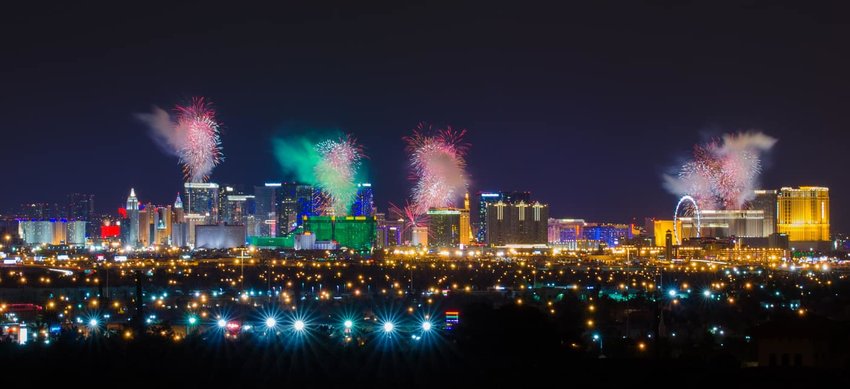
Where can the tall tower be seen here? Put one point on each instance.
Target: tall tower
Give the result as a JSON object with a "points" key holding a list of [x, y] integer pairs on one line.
{"points": [[178, 209], [484, 200], [364, 203], [133, 215], [465, 228]]}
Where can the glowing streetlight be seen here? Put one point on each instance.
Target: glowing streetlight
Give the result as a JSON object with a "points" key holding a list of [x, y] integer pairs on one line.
{"points": [[389, 327], [222, 323], [271, 322], [348, 324], [426, 326], [299, 325]]}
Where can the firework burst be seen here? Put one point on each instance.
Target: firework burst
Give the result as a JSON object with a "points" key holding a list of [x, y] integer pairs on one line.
{"points": [[336, 171], [438, 167], [723, 174], [193, 137], [409, 215], [201, 149]]}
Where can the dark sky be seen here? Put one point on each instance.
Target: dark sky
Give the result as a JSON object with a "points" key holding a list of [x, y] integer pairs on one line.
{"points": [[585, 104]]}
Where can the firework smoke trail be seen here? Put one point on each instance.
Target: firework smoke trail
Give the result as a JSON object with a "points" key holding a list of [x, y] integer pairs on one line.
{"points": [[438, 165], [193, 137], [722, 174], [336, 171]]}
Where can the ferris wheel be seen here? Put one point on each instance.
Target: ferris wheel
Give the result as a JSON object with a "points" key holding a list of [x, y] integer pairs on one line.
{"points": [[686, 207]]}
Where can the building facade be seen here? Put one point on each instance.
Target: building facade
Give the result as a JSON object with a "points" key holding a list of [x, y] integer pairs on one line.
{"points": [[364, 202], [52, 232], [202, 201], [517, 223], [803, 214], [766, 200], [444, 227]]}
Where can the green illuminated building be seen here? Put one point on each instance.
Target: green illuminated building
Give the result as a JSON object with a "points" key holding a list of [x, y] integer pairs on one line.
{"points": [[353, 232]]}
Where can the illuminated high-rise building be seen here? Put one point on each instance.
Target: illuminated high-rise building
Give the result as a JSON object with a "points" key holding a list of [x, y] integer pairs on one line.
{"points": [[178, 210], [766, 201], [449, 227], [162, 225], [803, 214], [202, 201], [53, 231], [286, 204], [488, 198], [146, 212], [485, 199], [266, 209], [306, 198], [465, 227], [517, 223], [132, 226], [239, 209], [444, 227], [364, 203]]}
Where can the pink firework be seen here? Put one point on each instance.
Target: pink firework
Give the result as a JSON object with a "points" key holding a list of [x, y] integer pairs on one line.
{"points": [[723, 174], [409, 215], [199, 148], [438, 166]]}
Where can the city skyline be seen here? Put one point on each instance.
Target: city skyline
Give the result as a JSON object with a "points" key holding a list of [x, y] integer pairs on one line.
{"points": [[425, 194], [569, 103]]}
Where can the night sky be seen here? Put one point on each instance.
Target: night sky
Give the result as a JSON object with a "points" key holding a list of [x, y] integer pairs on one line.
{"points": [[585, 105]]}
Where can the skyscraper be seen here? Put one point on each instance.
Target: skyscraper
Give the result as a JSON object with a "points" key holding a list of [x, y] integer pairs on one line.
{"points": [[766, 201], [306, 196], [146, 212], [444, 227], [133, 219], [287, 208], [178, 210], [803, 214], [237, 209], [465, 227], [265, 208], [363, 203], [202, 201], [519, 223], [485, 199]]}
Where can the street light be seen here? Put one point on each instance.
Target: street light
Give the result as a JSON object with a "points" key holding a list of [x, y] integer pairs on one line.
{"points": [[389, 327], [598, 338], [426, 326]]}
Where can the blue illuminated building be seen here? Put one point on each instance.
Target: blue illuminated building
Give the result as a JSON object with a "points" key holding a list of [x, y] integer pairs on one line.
{"points": [[364, 203], [610, 234]]}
